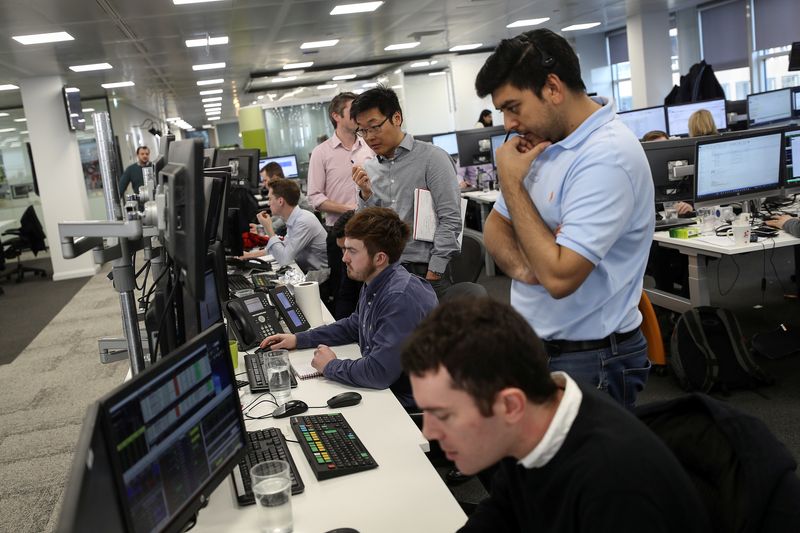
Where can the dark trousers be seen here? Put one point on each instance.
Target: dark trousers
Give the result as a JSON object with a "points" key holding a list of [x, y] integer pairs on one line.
{"points": [[440, 286]]}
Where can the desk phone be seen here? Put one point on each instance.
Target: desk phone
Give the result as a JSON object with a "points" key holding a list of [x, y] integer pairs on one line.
{"points": [[252, 318]]}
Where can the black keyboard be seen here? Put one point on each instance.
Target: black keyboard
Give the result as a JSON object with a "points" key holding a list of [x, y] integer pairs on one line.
{"points": [[254, 364], [264, 280], [238, 282], [331, 446], [666, 224], [265, 445], [248, 264]]}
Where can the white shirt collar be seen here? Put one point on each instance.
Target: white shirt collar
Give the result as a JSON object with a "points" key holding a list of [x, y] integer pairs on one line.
{"points": [[560, 425]]}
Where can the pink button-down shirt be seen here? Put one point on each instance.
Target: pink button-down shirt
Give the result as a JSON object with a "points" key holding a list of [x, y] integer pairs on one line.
{"points": [[330, 173]]}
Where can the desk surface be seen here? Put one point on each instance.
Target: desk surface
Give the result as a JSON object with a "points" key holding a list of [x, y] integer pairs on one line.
{"points": [[480, 196], [7, 224], [725, 245]]}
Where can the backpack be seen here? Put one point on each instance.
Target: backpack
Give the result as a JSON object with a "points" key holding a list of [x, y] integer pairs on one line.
{"points": [[708, 352]]}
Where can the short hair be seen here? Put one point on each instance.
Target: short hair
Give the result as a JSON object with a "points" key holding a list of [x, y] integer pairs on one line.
{"points": [[486, 346], [273, 170], [526, 60], [341, 222], [654, 135], [139, 148], [381, 230], [286, 189], [337, 105], [701, 122], [381, 97]]}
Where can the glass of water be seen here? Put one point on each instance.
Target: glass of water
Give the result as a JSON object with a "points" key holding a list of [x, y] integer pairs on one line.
{"points": [[279, 376], [272, 488]]}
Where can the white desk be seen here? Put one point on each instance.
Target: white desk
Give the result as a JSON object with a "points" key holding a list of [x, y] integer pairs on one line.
{"points": [[485, 201], [7, 224], [698, 250], [403, 494]]}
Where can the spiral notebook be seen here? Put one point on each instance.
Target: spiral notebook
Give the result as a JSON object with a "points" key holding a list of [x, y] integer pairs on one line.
{"points": [[305, 371]]}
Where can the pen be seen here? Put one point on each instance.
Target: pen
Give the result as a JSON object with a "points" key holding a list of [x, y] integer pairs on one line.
{"points": [[508, 133]]}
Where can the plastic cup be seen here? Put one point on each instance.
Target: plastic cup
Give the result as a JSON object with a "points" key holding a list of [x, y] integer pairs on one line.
{"points": [[272, 488], [233, 346], [279, 375]]}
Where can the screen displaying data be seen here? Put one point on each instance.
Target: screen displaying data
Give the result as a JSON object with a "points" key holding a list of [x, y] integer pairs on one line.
{"points": [[735, 167], [792, 151], [287, 162], [642, 121], [678, 115], [447, 142], [772, 106]]}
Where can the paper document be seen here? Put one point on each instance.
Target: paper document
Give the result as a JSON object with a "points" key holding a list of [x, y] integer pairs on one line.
{"points": [[425, 220]]}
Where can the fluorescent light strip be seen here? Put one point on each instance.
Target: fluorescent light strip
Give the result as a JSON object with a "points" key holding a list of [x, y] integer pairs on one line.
{"points": [[464, 47], [89, 68], [41, 38], [210, 91], [208, 66], [212, 99], [527, 22], [283, 79], [208, 41], [327, 86], [319, 44], [420, 64], [88, 110], [363, 7], [8, 130], [401, 46], [117, 84], [72, 90], [344, 77], [303, 64], [20, 120], [183, 2], [212, 118], [370, 85], [210, 82], [578, 27], [3, 114]]}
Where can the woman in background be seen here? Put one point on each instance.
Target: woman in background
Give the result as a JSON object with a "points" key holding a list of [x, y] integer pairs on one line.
{"points": [[701, 122]]}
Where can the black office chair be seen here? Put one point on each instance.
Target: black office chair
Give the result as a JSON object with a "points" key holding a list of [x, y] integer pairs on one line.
{"points": [[29, 236], [467, 265]]}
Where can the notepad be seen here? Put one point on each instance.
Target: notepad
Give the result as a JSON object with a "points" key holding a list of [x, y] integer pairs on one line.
{"points": [[425, 220], [306, 371]]}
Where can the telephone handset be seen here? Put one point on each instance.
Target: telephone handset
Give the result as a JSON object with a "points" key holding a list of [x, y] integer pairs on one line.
{"points": [[289, 310], [252, 319]]}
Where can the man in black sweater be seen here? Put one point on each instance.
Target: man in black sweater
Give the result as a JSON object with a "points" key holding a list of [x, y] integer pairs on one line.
{"points": [[570, 459]]}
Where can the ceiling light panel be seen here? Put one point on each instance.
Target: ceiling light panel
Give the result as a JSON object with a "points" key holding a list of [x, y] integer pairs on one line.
{"points": [[344, 77], [208, 66], [117, 84], [303, 64], [363, 7], [8, 87], [41, 38], [401, 46], [91, 67], [464, 47], [319, 44], [208, 41], [212, 99], [527, 22], [216, 81], [578, 27], [210, 91]]}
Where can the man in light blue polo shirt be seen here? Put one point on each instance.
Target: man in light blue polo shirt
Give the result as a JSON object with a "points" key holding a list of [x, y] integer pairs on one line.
{"points": [[574, 223]]}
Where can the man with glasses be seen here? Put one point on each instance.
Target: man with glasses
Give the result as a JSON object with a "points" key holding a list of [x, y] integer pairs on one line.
{"points": [[574, 222], [403, 165]]}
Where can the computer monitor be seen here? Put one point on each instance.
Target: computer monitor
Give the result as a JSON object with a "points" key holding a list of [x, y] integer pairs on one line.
{"points": [[174, 432], [497, 141], [475, 146], [428, 138], [678, 116], [641, 121], [769, 107], [287, 162], [732, 169], [796, 103], [446, 142], [214, 193], [791, 176], [199, 315], [209, 155], [247, 170], [163, 151], [664, 155], [794, 57]]}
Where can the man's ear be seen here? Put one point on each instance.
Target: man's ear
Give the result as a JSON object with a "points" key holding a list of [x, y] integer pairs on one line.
{"points": [[397, 118], [510, 404], [553, 89], [380, 259]]}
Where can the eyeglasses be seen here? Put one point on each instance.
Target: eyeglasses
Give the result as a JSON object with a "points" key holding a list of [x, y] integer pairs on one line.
{"points": [[363, 132]]}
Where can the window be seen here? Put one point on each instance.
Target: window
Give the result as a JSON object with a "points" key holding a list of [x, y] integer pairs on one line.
{"points": [[735, 82], [621, 85], [674, 64], [774, 68]]}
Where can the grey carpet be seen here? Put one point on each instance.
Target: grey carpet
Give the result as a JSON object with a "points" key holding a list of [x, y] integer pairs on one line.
{"points": [[44, 393], [27, 307]]}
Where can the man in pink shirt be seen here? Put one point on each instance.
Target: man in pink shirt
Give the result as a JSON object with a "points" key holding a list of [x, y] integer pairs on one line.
{"points": [[330, 183]]}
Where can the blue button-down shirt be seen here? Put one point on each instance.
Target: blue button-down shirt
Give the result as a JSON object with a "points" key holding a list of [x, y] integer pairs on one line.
{"points": [[596, 185], [305, 242], [389, 308]]}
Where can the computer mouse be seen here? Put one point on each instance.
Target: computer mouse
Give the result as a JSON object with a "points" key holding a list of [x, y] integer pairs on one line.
{"points": [[344, 399], [290, 408]]}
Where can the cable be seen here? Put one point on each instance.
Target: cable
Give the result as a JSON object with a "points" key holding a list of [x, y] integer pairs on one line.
{"points": [[719, 288], [167, 305]]}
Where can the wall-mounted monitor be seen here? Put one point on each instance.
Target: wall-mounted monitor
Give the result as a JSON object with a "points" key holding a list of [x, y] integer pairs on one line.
{"points": [[743, 167], [287, 162], [72, 105], [641, 121], [678, 116], [769, 107], [446, 142]]}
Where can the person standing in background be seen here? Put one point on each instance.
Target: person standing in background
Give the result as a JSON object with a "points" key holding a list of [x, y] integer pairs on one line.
{"points": [[133, 174]]}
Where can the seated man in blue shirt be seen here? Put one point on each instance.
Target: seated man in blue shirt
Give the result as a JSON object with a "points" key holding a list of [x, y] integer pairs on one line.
{"points": [[391, 305], [569, 459]]}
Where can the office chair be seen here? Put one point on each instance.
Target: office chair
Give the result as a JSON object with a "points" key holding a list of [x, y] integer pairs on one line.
{"points": [[467, 266], [29, 236]]}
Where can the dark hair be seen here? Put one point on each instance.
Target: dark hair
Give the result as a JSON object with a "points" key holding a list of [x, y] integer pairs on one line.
{"points": [[337, 105], [526, 60], [286, 189], [485, 113], [139, 148], [381, 97], [486, 346], [654, 136], [273, 170], [341, 222], [381, 230]]}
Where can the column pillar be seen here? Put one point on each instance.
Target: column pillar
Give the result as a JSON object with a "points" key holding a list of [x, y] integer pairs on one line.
{"points": [[649, 51], [58, 169], [253, 127]]}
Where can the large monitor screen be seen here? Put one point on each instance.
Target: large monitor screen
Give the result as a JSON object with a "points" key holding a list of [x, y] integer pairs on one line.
{"points": [[797, 100], [769, 107], [446, 142], [498, 141], [792, 175], [641, 121], [678, 115], [287, 162], [175, 431], [729, 170]]}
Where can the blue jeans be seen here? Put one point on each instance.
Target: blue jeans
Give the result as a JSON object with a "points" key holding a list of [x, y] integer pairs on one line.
{"points": [[621, 369]]}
